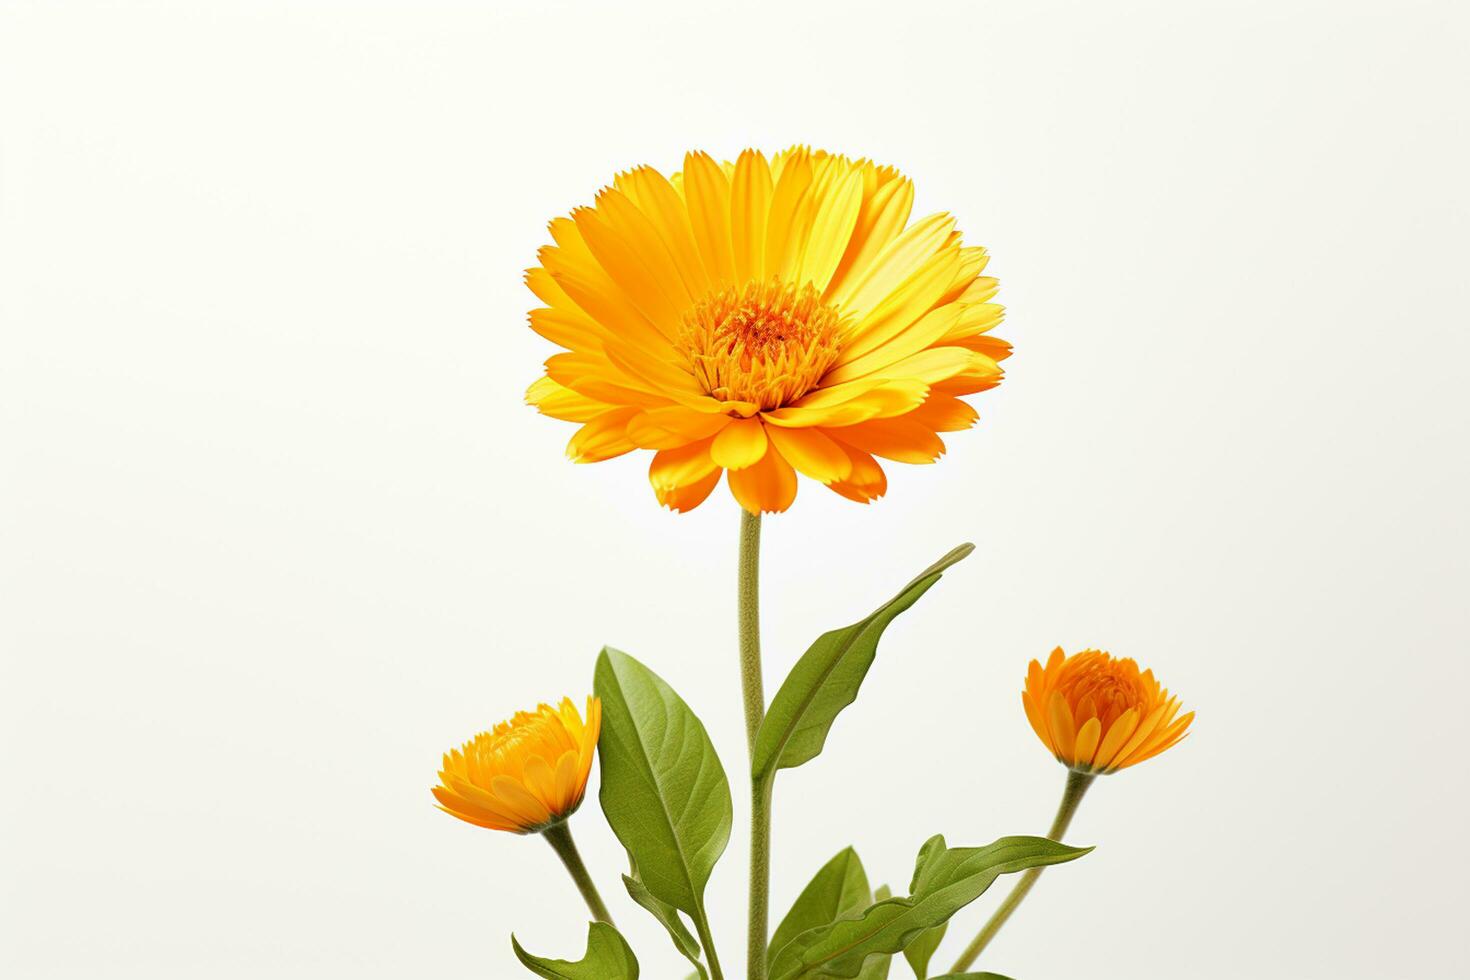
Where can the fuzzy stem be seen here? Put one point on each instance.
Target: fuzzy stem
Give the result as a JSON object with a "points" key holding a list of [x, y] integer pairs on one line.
{"points": [[752, 689]]}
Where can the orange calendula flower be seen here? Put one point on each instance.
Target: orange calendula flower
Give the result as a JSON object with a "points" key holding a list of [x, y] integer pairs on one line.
{"points": [[526, 775], [763, 318], [1097, 714]]}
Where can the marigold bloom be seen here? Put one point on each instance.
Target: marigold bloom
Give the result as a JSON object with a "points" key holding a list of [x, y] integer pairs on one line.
{"points": [[1097, 714], [765, 319], [527, 774]]}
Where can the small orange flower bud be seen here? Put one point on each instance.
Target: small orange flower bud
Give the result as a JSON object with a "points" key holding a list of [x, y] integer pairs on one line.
{"points": [[1097, 714], [527, 774]]}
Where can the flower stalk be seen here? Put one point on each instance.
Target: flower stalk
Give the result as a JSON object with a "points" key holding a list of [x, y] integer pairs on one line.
{"points": [[1076, 788], [559, 836], [753, 691]]}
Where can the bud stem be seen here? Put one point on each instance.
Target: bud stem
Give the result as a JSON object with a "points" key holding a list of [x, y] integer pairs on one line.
{"points": [[559, 836], [1077, 783]]}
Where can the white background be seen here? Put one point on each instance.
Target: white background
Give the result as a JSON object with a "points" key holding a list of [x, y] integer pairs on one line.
{"points": [[278, 530]]}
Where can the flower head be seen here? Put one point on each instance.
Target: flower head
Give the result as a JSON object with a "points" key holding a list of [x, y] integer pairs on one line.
{"points": [[527, 774], [763, 318], [1098, 714]]}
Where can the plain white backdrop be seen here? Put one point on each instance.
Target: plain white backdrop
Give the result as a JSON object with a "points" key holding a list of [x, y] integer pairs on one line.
{"points": [[278, 529]]}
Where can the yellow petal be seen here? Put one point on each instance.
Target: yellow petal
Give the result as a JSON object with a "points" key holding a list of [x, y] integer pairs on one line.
{"points": [[788, 204], [563, 403], [750, 200], [908, 301], [883, 215], [528, 810], [656, 198], [707, 194], [831, 229], [899, 260]]}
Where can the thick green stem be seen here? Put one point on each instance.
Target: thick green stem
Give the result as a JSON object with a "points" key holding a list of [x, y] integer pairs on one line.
{"points": [[559, 836], [752, 688], [1077, 783]]}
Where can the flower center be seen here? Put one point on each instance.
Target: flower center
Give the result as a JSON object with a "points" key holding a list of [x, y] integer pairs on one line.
{"points": [[1108, 687], [765, 343]]}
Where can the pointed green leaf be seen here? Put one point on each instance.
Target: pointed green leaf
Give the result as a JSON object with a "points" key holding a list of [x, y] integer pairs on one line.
{"points": [[607, 958], [840, 887], [921, 950], [972, 976], [663, 789], [827, 677], [945, 881], [668, 916]]}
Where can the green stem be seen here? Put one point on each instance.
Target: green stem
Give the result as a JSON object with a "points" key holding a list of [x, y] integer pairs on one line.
{"points": [[760, 876], [748, 618], [701, 926], [559, 836], [1077, 783]]}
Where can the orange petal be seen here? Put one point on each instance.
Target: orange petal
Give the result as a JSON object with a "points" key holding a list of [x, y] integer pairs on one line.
{"points": [[867, 481], [602, 438], [812, 453], [740, 444], [901, 440], [682, 499], [767, 487]]}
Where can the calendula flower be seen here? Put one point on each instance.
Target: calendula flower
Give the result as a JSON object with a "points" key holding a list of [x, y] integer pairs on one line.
{"points": [[1098, 714], [763, 318], [527, 774]]}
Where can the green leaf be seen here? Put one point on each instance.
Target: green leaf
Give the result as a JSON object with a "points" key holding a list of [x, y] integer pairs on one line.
{"points": [[921, 950], [668, 916], [945, 881], [876, 967], [972, 976], [607, 958], [827, 677], [839, 888], [663, 789]]}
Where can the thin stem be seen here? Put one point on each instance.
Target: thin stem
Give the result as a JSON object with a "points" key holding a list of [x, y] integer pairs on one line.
{"points": [[752, 688], [760, 876], [749, 621], [1077, 783], [559, 836], [701, 926]]}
